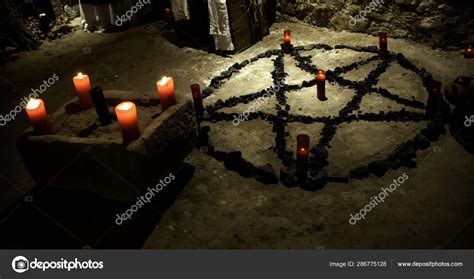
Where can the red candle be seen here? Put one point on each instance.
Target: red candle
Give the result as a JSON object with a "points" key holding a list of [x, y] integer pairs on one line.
{"points": [[286, 41], [434, 94], [469, 52], [83, 86], [198, 106], [302, 152], [168, 11], [165, 87], [321, 84], [38, 117], [128, 120], [383, 44]]}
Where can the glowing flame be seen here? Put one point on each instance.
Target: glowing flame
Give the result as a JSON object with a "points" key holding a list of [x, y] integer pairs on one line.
{"points": [[33, 103], [164, 80], [125, 106], [80, 75]]}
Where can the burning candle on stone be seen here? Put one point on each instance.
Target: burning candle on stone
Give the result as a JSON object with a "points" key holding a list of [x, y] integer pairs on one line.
{"points": [[165, 87], [198, 106], [321, 85], [83, 86], [38, 117], [286, 41], [383, 44], [128, 121], [469, 52], [302, 152]]}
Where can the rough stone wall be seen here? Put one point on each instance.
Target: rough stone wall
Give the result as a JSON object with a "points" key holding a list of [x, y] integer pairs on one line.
{"points": [[439, 23]]}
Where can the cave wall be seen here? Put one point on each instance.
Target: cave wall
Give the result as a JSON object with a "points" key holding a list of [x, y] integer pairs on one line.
{"points": [[444, 24]]}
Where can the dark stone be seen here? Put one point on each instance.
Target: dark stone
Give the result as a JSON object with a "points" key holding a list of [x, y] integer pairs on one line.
{"points": [[243, 64], [359, 172], [315, 182], [288, 176], [338, 178], [219, 155], [237, 66], [207, 91], [320, 152], [233, 160], [246, 169], [409, 164], [266, 174], [378, 168], [395, 164]]}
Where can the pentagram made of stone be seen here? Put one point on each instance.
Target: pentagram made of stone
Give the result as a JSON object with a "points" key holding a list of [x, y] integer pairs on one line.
{"points": [[317, 177]]}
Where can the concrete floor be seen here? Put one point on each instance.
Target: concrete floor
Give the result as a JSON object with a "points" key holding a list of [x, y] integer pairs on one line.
{"points": [[220, 209]]}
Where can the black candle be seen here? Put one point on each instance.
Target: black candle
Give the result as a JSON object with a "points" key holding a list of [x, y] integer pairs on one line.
{"points": [[100, 105]]}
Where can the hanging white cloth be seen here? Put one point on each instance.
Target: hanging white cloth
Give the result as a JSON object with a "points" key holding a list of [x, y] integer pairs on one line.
{"points": [[180, 9], [219, 24]]}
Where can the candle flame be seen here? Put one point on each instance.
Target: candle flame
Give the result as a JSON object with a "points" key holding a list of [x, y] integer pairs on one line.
{"points": [[125, 106], [33, 103], [164, 80]]}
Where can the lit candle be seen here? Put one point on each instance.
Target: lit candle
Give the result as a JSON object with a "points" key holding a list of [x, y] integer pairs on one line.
{"points": [[321, 85], [434, 94], [38, 117], [469, 52], [198, 106], [286, 41], [128, 121], [168, 11], [83, 85], [383, 44], [165, 87], [302, 151]]}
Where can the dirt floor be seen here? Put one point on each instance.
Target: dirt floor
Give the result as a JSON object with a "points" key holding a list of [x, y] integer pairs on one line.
{"points": [[219, 208]]}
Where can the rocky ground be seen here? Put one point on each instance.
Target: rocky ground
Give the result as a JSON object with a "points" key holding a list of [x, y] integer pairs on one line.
{"points": [[435, 22], [221, 209]]}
